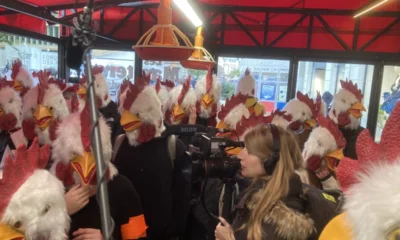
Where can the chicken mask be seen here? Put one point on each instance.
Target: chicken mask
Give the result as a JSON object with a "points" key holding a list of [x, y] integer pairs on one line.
{"points": [[163, 90], [141, 116], [100, 84], [10, 107], [347, 106], [22, 79], [208, 94]]}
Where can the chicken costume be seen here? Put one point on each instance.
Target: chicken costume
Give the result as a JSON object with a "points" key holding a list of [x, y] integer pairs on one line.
{"points": [[163, 89], [304, 112], [346, 111], [324, 149], [371, 188], [74, 163], [29, 106], [51, 108], [22, 79], [247, 86], [153, 164], [32, 204], [177, 107], [208, 93]]}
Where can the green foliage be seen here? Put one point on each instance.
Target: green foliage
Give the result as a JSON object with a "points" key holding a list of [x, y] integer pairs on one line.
{"points": [[234, 73], [227, 90], [382, 118], [196, 74]]}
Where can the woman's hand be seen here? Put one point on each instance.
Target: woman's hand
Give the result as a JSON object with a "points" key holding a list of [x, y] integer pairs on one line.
{"points": [[87, 234], [193, 115], [76, 199], [323, 173], [224, 231]]}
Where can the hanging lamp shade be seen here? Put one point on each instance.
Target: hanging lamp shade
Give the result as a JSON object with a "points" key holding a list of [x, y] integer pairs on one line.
{"points": [[201, 59], [161, 42]]}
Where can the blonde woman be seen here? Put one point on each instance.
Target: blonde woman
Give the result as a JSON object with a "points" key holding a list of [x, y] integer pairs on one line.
{"points": [[276, 206]]}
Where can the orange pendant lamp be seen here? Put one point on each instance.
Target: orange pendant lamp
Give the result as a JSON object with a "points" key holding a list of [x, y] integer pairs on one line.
{"points": [[201, 59], [165, 46]]}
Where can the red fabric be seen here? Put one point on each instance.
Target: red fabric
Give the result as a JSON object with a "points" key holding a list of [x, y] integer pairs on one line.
{"points": [[28, 127], [8, 121], [314, 163], [24, 22], [146, 133]]}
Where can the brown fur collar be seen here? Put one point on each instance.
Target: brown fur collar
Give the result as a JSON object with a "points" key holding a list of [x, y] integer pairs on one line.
{"points": [[289, 224]]}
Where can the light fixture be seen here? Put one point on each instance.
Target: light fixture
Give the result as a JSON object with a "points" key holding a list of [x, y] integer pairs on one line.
{"points": [[201, 59], [161, 42], [369, 7], [189, 12]]}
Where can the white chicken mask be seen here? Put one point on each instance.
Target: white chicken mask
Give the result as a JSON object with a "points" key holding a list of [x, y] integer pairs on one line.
{"points": [[51, 108], [100, 84], [208, 93], [74, 161], [28, 110], [324, 147], [32, 204], [180, 101], [162, 90], [347, 106], [247, 86], [10, 107], [22, 79], [141, 116]]}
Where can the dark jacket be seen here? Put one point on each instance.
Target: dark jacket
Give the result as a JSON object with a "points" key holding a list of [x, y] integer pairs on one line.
{"points": [[113, 118], [351, 136], [302, 215]]}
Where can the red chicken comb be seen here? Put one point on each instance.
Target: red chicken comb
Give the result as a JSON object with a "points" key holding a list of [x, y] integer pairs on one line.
{"points": [[59, 82], [4, 83], [246, 123], [185, 89], [318, 103], [308, 101], [158, 85], [43, 77], [247, 72], [124, 85], [234, 101], [209, 79], [280, 113], [369, 152], [97, 69], [353, 88], [333, 128], [15, 68], [17, 171], [168, 83], [86, 127], [146, 77], [134, 91]]}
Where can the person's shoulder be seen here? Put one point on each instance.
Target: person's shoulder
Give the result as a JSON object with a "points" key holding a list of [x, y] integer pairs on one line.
{"points": [[120, 182]]}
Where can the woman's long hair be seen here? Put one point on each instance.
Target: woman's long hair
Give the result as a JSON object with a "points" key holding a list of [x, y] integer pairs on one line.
{"points": [[259, 142]]}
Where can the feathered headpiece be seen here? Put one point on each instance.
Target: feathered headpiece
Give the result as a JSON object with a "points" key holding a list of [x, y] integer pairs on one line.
{"points": [[15, 68], [370, 152], [353, 88], [43, 77], [332, 127], [4, 83], [168, 84], [247, 123], [124, 85], [247, 72], [185, 89], [279, 113], [309, 102], [97, 69], [158, 85], [209, 79], [135, 89], [17, 171], [234, 101], [86, 127]]}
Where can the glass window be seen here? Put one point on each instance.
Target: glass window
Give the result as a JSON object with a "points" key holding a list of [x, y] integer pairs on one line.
{"points": [[325, 77], [271, 79], [390, 95], [118, 65], [34, 56], [172, 71]]}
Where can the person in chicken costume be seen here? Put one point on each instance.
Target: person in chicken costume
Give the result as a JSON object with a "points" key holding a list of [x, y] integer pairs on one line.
{"points": [[179, 105], [28, 110], [162, 90], [22, 79], [208, 93], [371, 188], [74, 164], [247, 86], [322, 153], [304, 112], [153, 163], [51, 108], [32, 204], [346, 111]]}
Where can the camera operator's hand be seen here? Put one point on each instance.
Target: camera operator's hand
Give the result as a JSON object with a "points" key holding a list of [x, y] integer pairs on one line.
{"points": [[224, 231], [193, 116]]}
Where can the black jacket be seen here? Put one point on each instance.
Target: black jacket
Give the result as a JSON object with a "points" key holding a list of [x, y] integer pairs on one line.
{"points": [[351, 139], [113, 118]]}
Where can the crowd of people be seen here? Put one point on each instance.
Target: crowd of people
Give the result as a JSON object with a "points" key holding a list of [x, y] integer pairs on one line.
{"points": [[308, 171]]}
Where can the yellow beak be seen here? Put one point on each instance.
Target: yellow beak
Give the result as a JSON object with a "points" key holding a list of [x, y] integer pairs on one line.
{"points": [[259, 109], [130, 121], [338, 154], [332, 159], [233, 151], [337, 229], [178, 113], [310, 124], [207, 100], [81, 91], [18, 86], [1, 112], [250, 102], [221, 125], [43, 117], [356, 110], [84, 165]]}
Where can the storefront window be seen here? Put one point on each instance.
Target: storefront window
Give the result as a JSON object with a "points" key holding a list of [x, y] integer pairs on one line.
{"points": [[34, 54], [172, 71], [271, 79], [118, 65], [325, 77], [390, 95]]}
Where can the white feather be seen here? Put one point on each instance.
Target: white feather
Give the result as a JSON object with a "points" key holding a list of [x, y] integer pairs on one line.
{"points": [[29, 103], [201, 89], [280, 122], [246, 85], [188, 102], [10, 102], [163, 95], [28, 204], [342, 102], [320, 143], [24, 77], [101, 88], [298, 110], [235, 115]]}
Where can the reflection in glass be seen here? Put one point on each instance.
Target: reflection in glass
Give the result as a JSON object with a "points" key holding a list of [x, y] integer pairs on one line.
{"points": [[390, 95], [325, 77]]}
